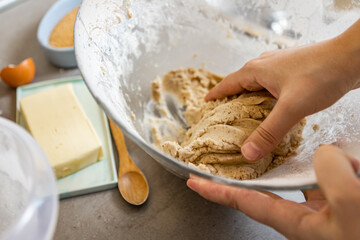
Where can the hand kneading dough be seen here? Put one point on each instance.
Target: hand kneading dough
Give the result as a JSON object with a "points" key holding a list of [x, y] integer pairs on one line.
{"points": [[218, 128]]}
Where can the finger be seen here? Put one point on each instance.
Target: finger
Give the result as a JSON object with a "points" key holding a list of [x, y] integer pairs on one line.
{"points": [[315, 199], [285, 216], [233, 83], [316, 205], [337, 179], [270, 194], [269, 133], [313, 194], [354, 163]]}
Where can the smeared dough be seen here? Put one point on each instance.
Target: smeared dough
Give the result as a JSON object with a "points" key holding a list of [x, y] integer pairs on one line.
{"points": [[218, 128]]}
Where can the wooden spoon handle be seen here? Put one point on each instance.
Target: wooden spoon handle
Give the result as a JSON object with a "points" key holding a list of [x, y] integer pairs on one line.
{"points": [[125, 163]]}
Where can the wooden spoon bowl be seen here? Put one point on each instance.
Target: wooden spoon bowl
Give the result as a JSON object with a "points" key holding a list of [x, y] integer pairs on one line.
{"points": [[132, 183]]}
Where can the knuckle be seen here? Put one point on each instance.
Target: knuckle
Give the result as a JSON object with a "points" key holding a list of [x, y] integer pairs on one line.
{"points": [[247, 84], [252, 64], [234, 204], [268, 138], [290, 107], [231, 76], [267, 53], [264, 54], [232, 201]]}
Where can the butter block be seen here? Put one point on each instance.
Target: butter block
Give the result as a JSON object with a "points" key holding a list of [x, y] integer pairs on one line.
{"points": [[57, 121]]}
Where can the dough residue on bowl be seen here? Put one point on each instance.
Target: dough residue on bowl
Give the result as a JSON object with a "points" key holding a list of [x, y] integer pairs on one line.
{"points": [[215, 130]]}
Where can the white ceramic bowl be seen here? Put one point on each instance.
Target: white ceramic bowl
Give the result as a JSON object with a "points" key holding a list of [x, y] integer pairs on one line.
{"points": [[121, 48], [60, 57], [28, 199]]}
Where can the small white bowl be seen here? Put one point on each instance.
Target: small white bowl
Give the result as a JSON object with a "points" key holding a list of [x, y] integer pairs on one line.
{"points": [[60, 57]]}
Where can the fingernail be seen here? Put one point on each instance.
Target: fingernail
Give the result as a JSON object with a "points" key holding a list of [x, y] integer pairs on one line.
{"points": [[250, 151]]}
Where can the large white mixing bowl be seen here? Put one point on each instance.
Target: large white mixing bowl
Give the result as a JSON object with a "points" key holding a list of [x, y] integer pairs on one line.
{"points": [[122, 45]]}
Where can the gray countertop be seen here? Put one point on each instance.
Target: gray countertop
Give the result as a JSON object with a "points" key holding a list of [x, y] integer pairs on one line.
{"points": [[172, 211]]}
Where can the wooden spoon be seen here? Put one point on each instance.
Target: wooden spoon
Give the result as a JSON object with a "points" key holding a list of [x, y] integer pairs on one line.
{"points": [[132, 183]]}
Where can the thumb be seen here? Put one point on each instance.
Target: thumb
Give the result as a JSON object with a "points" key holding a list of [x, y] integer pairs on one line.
{"points": [[269, 133], [335, 169]]}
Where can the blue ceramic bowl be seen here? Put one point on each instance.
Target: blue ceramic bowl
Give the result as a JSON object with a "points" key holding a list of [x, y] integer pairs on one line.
{"points": [[60, 57]]}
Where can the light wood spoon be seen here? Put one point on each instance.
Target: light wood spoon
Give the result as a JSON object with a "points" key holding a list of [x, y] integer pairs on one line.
{"points": [[132, 183]]}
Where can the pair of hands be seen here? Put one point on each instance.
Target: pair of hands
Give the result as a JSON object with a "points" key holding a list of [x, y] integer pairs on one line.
{"points": [[305, 80]]}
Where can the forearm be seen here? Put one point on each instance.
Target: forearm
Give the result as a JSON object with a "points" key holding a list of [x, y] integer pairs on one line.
{"points": [[351, 37], [348, 46]]}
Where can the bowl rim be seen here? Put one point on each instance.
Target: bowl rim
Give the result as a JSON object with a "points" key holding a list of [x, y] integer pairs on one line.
{"points": [[152, 151]]}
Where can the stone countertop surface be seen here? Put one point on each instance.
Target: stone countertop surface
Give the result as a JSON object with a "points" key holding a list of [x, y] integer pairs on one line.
{"points": [[172, 211]]}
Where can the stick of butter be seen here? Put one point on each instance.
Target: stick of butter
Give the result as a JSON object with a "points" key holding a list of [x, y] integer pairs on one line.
{"points": [[56, 120]]}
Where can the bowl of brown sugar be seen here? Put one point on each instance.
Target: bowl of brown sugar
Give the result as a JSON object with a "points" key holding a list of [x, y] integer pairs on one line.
{"points": [[56, 32]]}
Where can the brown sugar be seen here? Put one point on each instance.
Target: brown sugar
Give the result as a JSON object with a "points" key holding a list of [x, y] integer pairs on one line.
{"points": [[63, 33]]}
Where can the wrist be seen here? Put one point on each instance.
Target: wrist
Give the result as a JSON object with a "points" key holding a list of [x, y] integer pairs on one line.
{"points": [[347, 48]]}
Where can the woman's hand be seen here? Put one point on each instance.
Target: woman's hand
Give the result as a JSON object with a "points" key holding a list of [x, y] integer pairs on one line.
{"points": [[304, 79], [331, 213]]}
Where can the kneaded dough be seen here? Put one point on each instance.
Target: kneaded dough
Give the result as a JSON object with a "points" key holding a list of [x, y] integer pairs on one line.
{"points": [[217, 129]]}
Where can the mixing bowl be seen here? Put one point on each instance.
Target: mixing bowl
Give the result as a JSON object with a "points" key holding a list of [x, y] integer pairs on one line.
{"points": [[28, 201], [122, 45]]}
